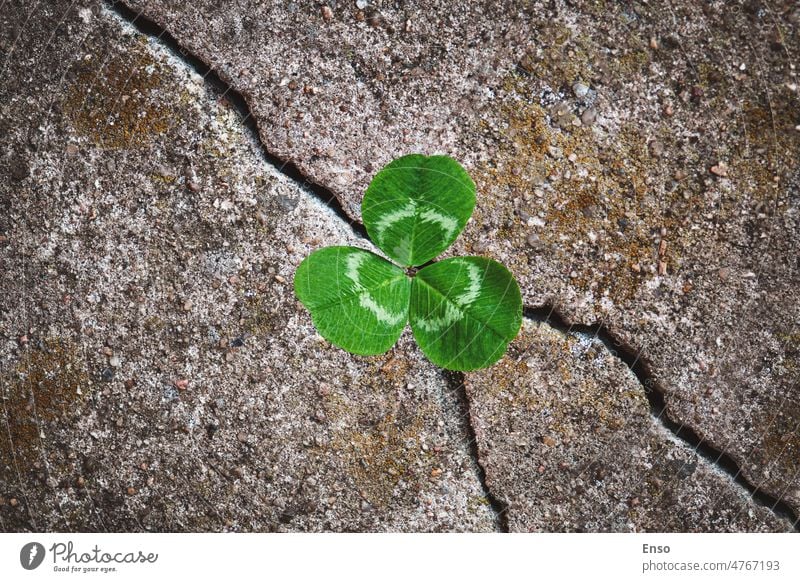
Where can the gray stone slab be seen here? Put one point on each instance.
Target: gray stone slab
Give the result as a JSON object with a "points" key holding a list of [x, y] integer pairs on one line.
{"points": [[567, 440]]}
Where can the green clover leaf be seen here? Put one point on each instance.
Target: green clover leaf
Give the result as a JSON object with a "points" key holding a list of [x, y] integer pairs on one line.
{"points": [[358, 301], [463, 311], [417, 206]]}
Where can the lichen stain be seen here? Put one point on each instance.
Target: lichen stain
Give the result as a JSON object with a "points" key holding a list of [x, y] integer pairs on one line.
{"points": [[380, 439], [380, 456], [262, 315], [48, 385], [618, 187], [124, 103], [767, 146], [600, 193]]}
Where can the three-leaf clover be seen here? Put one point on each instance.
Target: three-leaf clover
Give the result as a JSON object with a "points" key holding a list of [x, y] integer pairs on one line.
{"points": [[463, 311]]}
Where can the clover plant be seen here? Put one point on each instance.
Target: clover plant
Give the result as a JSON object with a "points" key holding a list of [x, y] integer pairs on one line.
{"points": [[463, 311]]}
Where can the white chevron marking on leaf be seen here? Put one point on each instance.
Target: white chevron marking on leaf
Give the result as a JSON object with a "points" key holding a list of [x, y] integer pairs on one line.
{"points": [[381, 313], [402, 251], [353, 264], [474, 287], [448, 223], [451, 315], [365, 300], [393, 217]]}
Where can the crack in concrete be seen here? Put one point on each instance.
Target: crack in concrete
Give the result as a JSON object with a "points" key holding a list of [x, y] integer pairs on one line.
{"points": [[223, 88], [456, 381], [659, 411], [545, 314]]}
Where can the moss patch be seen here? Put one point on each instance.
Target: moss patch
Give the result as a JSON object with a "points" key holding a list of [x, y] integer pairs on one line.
{"points": [[598, 199], [380, 439], [379, 457], [48, 385], [779, 448], [124, 102]]}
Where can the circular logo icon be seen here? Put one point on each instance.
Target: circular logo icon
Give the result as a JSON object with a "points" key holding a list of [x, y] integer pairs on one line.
{"points": [[31, 555]]}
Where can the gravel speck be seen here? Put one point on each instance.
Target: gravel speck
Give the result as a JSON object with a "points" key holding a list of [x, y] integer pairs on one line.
{"points": [[721, 169], [580, 90]]}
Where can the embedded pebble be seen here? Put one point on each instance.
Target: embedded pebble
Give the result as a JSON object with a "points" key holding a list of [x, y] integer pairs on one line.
{"points": [[656, 149], [588, 116], [580, 90], [721, 170]]}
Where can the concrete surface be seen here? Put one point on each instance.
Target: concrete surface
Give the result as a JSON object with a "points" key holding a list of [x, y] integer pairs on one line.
{"points": [[635, 168]]}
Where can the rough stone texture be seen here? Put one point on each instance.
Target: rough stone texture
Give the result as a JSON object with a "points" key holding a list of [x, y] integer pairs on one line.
{"points": [[569, 444], [157, 372], [636, 165]]}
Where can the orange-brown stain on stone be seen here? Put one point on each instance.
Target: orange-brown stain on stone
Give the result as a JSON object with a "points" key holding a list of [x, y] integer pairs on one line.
{"points": [[123, 102], [48, 385]]}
